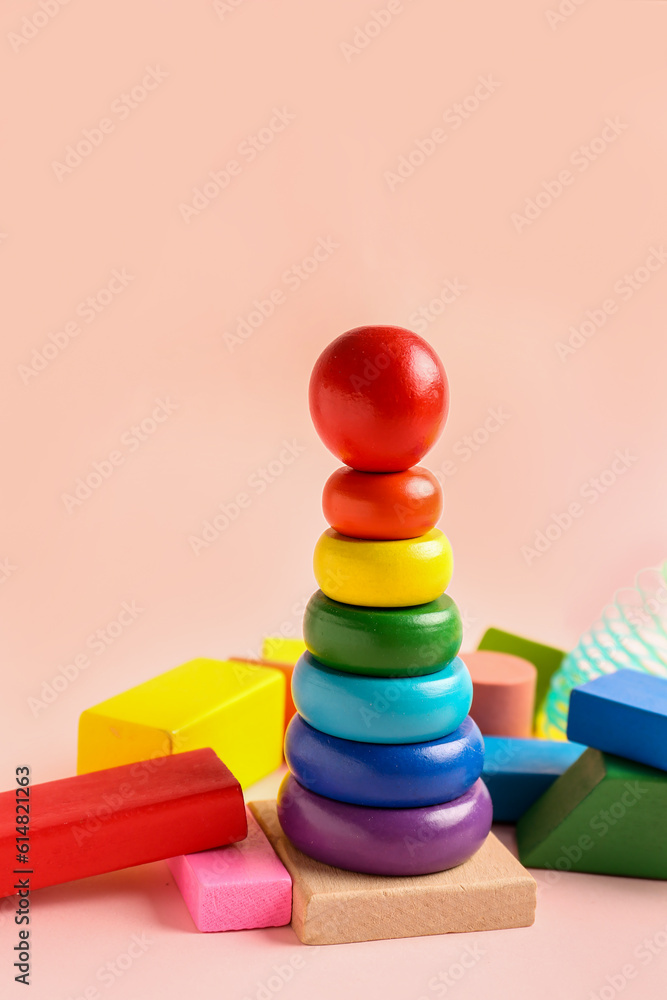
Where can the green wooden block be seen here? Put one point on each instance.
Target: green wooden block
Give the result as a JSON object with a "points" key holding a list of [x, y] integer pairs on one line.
{"points": [[605, 814], [546, 659]]}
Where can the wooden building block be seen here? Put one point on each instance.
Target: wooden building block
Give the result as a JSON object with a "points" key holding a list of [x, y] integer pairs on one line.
{"points": [[503, 698], [236, 887], [235, 708], [516, 772], [121, 817], [286, 670], [281, 650], [545, 659], [605, 815], [331, 906], [624, 713]]}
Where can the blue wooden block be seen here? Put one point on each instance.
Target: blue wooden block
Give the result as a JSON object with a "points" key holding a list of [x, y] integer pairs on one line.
{"points": [[624, 713], [517, 772], [398, 775]]}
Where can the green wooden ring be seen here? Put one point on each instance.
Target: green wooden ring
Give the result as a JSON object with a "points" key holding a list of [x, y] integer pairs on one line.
{"points": [[385, 642]]}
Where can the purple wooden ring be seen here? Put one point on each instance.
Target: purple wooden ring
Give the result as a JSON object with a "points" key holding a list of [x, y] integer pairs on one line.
{"points": [[382, 841]]}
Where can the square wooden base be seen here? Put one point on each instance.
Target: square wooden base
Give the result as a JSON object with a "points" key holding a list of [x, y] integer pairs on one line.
{"points": [[331, 906]]}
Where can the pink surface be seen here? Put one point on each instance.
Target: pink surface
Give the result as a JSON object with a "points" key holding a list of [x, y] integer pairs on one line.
{"points": [[237, 887], [441, 250]]}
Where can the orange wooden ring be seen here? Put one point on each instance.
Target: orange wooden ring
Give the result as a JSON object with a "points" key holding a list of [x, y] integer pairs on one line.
{"points": [[382, 505]]}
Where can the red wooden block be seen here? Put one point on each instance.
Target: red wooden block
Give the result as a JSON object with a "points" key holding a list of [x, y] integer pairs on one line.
{"points": [[123, 816]]}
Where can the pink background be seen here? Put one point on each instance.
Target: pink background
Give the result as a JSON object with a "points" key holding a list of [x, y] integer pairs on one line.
{"points": [[325, 177]]}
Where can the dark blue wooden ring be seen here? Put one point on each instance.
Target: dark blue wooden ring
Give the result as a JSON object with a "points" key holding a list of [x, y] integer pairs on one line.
{"points": [[395, 775]]}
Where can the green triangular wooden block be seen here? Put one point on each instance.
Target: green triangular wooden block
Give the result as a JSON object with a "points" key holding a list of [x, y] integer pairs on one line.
{"points": [[605, 814]]}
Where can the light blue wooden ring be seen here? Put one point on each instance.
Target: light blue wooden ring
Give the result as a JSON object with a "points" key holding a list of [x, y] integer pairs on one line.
{"points": [[382, 709]]}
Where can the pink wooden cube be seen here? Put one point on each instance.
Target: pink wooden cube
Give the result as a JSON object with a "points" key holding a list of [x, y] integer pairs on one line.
{"points": [[236, 887]]}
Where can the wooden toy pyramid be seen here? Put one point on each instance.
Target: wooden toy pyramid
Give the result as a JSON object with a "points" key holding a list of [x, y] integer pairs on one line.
{"points": [[384, 760]]}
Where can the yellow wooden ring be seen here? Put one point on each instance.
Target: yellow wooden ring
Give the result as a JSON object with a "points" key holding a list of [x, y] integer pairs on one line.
{"points": [[391, 574]]}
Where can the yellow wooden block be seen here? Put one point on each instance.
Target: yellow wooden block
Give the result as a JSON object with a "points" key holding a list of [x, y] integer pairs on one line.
{"points": [[390, 574], [282, 650], [236, 708]]}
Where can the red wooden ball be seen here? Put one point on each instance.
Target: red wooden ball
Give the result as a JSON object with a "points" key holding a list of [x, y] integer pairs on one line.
{"points": [[372, 505], [379, 398]]}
